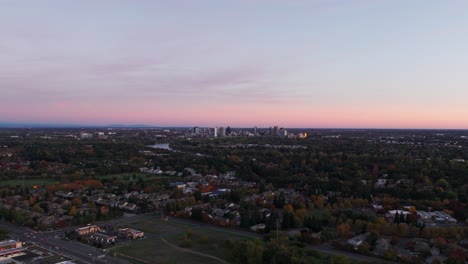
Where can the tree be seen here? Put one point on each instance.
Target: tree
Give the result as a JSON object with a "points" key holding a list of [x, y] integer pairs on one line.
{"points": [[32, 200], [197, 214], [403, 230], [396, 220], [37, 208], [343, 230], [247, 252], [390, 254], [372, 238], [197, 195], [76, 202], [364, 248], [339, 260], [73, 211], [288, 217], [456, 257]]}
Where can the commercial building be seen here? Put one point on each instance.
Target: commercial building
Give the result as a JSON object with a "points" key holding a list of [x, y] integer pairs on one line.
{"points": [[103, 239], [9, 247], [86, 135], [435, 218], [131, 233], [82, 231]]}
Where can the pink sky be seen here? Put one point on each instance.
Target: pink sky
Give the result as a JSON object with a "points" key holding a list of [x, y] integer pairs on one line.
{"points": [[363, 64]]}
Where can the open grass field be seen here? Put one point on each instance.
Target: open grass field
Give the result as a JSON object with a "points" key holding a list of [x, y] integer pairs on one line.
{"points": [[144, 176], [156, 251], [183, 238], [121, 175], [205, 240], [159, 227], [27, 182]]}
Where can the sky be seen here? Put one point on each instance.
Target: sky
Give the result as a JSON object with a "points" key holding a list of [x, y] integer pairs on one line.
{"points": [[291, 63]]}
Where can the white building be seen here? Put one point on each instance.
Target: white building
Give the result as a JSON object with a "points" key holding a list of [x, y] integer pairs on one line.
{"points": [[283, 133], [86, 135]]}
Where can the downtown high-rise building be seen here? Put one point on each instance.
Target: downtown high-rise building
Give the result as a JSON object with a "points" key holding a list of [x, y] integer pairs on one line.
{"points": [[221, 132], [283, 132], [275, 131]]}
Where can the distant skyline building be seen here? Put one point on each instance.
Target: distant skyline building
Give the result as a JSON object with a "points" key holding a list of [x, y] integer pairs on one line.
{"points": [[221, 132], [283, 132], [215, 131], [276, 131], [255, 131]]}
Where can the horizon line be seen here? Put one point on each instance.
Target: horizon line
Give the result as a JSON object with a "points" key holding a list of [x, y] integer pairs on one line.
{"points": [[65, 125]]}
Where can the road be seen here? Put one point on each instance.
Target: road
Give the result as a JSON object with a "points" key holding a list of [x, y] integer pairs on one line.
{"points": [[328, 249]]}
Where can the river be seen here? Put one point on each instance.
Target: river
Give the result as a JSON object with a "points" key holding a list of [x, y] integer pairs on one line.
{"points": [[162, 146]]}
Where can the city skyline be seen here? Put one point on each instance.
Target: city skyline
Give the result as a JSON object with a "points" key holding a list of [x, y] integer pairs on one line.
{"points": [[309, 64]]}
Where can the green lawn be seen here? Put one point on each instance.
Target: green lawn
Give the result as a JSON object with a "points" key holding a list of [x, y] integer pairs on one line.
{"points": [[120, 175], [158, 227], [27, 182], [144, 176], [206, 240], [156, 251], [46, 181], [152, 249]]}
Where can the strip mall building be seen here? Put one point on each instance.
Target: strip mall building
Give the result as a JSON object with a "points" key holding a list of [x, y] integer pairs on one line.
{"points": [[9, 247]]}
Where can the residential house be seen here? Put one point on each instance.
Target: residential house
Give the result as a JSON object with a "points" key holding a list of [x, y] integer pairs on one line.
{"points": [[358, 240], [257, 228], [47, 220]]}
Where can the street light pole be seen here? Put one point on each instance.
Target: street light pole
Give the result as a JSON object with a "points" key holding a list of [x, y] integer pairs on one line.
{"points": [[277, 227]]}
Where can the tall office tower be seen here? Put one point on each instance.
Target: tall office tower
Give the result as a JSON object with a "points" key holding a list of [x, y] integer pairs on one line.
{"points": [[196, 130], [276, 131], [221, 132], [215, 132], [283, 132], [255, 131], [270, 131]]}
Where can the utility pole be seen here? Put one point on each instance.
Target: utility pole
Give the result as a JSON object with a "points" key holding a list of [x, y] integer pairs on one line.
{"points": [[277, 227]]}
